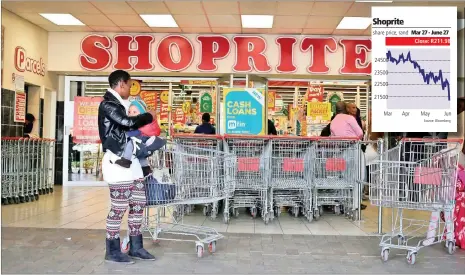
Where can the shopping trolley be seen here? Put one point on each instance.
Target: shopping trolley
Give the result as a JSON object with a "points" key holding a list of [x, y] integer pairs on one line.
{"points": [[27, 169], [252, 157], [335, 171], [290, 182], [213, 142], [184, 175], [418, 174]]}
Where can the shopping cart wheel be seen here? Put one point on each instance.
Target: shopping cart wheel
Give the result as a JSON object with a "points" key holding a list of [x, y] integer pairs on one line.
{"points": [[451, 247], [253, 212], [41, 191], [36, 197], [125, 245], [51, 190], [296, 211], [4, 201], [212, 247], [411, 257], [385, 254], [32, 198], [337, 210], [17, 201], [226, 218], [236, 212], [310, 216], [23, 199], [355, 215], [316, 215], [206, 210], [11, 200], [277, 210], [199, 249]]}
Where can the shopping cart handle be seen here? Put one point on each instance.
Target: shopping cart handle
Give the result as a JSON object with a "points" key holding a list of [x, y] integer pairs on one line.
{"points": [[290, 137], [197, 136], [336, 138], [452, 140], [247, 137]]}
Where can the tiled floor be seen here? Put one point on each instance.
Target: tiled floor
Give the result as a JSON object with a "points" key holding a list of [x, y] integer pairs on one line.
{"points": [[87, 207], [68, 251]]}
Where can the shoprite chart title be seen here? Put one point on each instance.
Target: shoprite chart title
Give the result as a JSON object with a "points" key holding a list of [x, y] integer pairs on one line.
{"points": [[221, 53]]}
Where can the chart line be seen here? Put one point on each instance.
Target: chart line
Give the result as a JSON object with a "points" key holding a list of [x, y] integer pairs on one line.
{"points": [[427, 77]]}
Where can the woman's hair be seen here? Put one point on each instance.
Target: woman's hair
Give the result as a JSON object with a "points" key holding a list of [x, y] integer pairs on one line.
{"points": [[30, 117]]}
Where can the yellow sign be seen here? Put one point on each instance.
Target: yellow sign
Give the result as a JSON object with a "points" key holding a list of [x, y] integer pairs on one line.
{"points": [[135, 88], [202, 82], [164, 96], [186, 107], [271, 99], [319, 109]]}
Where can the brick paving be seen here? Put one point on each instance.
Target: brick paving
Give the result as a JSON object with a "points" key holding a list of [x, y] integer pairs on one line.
{"points": [[36, 250]]}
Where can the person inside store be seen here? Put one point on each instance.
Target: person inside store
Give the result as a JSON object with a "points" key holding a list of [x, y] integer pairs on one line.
{"points": [[127, 190], [28, 124], [271, 128], [344, 124], [206, 127]]}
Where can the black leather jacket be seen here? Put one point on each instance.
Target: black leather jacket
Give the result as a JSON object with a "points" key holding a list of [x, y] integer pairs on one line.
{"points": [[113, 123]]}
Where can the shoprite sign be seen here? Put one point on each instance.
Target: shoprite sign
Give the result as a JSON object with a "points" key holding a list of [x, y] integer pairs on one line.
{"points": [[210, 53], [244, 111]]}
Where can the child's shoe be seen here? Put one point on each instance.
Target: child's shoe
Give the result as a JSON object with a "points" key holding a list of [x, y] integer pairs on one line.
{"points": [[124, 162], [146, 171]]}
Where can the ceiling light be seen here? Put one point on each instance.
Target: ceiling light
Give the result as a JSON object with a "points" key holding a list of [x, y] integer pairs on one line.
{"points": [[257, 21], [62, 19], [460, 24], [354, 23], [159, 20], [374, 1]]}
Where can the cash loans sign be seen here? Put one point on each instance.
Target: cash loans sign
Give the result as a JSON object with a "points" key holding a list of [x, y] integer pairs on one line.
{"points": [[244, 111]]}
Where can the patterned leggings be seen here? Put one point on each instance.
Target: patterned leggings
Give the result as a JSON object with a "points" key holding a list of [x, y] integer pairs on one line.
{"points": [[123, 195]]}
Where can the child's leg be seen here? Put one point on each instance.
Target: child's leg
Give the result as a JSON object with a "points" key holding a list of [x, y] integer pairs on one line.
{"points": [[154, 144], [145, 166]]}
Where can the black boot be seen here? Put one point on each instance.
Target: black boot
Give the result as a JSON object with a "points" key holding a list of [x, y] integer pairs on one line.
{"points": [[114, 254], [136, 249]]}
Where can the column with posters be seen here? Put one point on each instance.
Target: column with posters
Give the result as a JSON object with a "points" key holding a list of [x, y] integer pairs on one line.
{"points": [[244, 111]]}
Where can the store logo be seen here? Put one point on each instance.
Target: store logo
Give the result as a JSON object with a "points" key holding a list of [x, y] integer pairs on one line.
{"points": [[232, 124], [24, 63]]}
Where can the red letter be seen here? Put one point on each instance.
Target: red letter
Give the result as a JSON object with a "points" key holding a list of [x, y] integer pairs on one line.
{"points": [[355, 56], [250, 48], [211, 49], [95, 54], [124, 52], [184, 56], [286, 54], [318, 46]]}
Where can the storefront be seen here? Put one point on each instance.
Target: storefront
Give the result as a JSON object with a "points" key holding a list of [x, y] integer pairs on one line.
{"points": [[185, 72]]}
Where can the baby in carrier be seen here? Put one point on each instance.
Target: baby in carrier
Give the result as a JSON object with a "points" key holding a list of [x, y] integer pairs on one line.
{"points": [[141, 142]]}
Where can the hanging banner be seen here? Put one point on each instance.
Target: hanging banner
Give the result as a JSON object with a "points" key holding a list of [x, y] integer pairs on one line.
{"points": [[179, 116], [319, 109], [164, 112], [85, 125], [315, 93], [164, 97], [20, 107], [150, 98], [271, 99], [244, 111], [206, 103]]}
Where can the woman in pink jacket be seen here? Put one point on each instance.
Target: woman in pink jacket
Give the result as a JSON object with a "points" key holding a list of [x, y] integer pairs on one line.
{"points": [[142, 142]]}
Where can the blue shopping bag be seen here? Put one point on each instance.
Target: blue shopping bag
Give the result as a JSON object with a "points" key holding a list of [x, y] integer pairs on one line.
{"points": [[159, 192]]}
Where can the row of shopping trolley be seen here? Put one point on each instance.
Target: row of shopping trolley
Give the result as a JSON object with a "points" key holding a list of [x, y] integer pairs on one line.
{"points": [[298, 173], [27, 169], [266, 173]]}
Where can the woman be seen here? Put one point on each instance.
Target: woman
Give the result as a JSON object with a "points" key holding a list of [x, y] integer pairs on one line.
{"points": [[28, 124]]}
